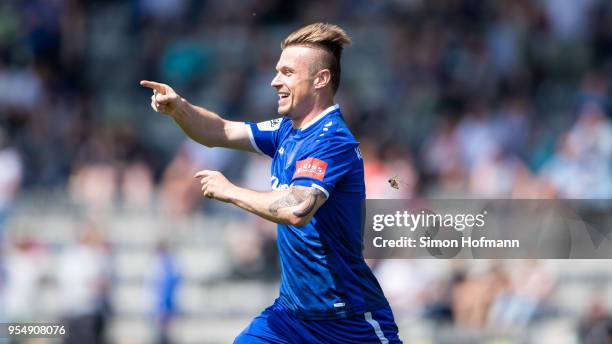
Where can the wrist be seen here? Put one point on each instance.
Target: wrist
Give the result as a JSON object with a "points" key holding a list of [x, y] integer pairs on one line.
{"points": [[233, 194], [179, 107]]}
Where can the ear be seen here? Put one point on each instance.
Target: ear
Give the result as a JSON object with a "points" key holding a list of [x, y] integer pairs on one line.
{"points": [[322, 79]]}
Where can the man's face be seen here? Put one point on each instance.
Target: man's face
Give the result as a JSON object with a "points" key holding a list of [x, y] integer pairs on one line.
{"points": [[294, 81]]}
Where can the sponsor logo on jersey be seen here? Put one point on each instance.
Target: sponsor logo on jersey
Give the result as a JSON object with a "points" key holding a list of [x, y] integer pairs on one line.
{"points": [[310, 167], [276, 185]]}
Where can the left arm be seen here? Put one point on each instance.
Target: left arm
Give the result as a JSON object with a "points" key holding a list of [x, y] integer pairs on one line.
{"points": [[294, 206]]}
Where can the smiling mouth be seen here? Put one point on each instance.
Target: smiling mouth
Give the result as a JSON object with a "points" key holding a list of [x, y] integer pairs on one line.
{"points": [[283, 95]]}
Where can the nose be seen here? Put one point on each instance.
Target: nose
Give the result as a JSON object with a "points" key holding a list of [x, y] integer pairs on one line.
{"points": [[276, 82]]}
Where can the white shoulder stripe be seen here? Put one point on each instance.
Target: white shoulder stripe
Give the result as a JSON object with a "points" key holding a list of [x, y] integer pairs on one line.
{"points": [[252, 138]]}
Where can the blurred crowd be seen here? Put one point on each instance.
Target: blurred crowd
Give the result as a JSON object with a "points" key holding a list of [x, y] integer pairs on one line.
{"points": [[79, 278], [453, 98], [485, 98], [498, 296]]}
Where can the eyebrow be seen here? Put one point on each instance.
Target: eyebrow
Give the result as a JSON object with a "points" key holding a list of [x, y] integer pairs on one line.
{"points": [[285, 68]]}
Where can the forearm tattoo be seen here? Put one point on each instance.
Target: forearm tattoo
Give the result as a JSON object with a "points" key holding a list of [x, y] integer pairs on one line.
{"points": [[307, 198]]}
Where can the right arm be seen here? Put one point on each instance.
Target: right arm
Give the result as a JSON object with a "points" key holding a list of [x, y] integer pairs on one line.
{"points": [[201, 125], [295, 206]]}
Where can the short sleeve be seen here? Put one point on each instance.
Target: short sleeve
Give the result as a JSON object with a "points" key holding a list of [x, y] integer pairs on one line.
{"points": [[324, 167], [264, 135]]}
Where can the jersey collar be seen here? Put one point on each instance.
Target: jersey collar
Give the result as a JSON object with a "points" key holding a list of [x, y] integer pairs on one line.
{"points": [[319, 116]]}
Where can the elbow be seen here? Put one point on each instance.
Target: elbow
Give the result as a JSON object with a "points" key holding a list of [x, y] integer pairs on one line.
{"points": [[298, 221]]}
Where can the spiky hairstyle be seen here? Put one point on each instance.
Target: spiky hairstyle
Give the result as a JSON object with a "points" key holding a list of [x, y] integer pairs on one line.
{"points": [[328, 37]]}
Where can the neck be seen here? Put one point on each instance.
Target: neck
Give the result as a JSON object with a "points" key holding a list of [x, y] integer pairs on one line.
{"points": [[316, 109]]}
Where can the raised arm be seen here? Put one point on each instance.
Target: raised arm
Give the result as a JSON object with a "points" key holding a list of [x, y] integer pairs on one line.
{"points": [[294, 206], [201, 125]]}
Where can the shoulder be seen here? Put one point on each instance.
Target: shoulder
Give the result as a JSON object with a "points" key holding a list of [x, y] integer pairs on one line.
{"points": [[333, 134], [334, 148]]}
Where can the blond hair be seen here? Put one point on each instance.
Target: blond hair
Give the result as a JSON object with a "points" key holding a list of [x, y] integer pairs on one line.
{"points": [[328, 37]]}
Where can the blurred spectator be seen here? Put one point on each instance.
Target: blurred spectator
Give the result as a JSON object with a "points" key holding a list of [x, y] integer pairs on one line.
{"points": [[497, 176], [443, 166], [166, 280], [594, 90], [375, 173], [512, 126], [581, 165], [166, 12], [592, 133], [257, 173], [439, 298], [474, 294], [24, 268], [94, 186], [441, 151], [94, 180], [596, 326], [20, 88], [252, 249], [568, 18], [11, 174], [523, 297], [137, 186], [476, 136], [180, 192], [83, 277], [406, 284], [563, 171]]}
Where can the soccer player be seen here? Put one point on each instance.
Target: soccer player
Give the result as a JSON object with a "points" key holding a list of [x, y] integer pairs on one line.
{"points": [[327, 293]]}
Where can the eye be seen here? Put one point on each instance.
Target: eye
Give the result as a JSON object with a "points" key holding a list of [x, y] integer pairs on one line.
{"points": [[286, 71]]}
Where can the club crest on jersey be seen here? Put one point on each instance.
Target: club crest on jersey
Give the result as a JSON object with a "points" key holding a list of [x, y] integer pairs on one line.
{"points": [[310, 167]]}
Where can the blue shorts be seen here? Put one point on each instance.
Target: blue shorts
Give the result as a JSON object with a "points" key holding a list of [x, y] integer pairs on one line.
{"points": [[276, 324]]}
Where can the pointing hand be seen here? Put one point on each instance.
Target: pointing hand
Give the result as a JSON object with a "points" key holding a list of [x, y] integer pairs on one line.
{"points": [[215, 185], [164, 99]]}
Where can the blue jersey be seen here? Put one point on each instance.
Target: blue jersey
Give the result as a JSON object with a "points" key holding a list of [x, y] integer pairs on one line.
{"points": [[323, 273]]}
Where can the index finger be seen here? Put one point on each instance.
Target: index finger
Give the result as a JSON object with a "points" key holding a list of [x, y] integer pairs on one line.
{"points": [[161, 88], [201, 174]]}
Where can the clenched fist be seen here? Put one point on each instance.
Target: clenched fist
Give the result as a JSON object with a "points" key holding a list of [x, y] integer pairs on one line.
{"points": [[164, 99], [215, 185]]}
